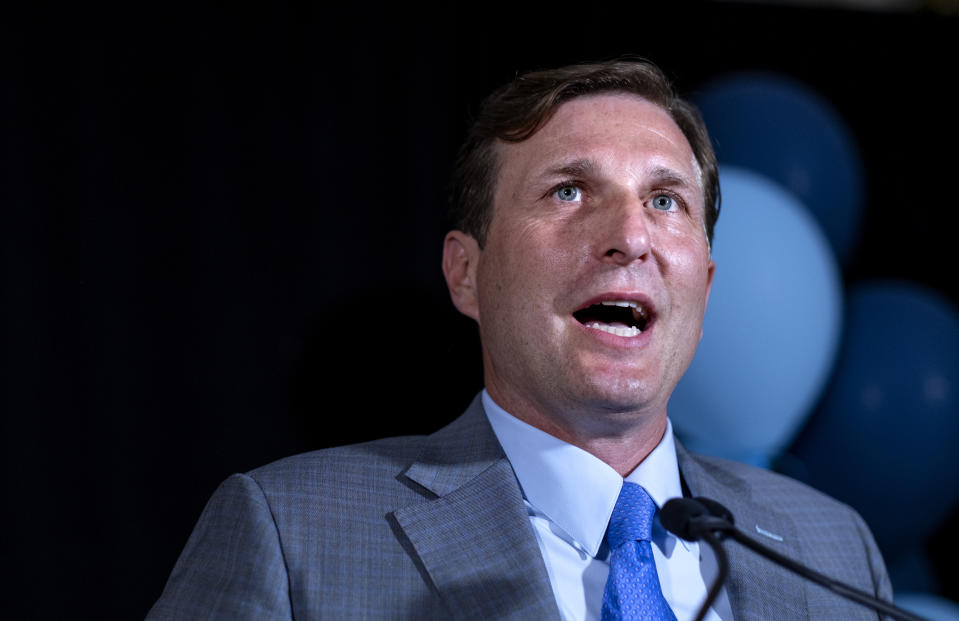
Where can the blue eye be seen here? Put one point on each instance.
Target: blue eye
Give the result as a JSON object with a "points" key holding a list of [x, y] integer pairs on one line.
{"points": [[568, 193], [663, 202]]}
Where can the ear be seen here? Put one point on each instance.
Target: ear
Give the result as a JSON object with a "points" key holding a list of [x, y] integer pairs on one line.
{"points": [[711, 271], [461, 254]]}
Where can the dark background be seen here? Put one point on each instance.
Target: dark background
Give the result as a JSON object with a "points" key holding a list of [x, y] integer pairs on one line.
{"points": [[222, 229]]}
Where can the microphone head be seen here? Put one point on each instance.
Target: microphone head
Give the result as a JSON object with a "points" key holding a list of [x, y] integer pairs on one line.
{"points": [[678, 514], [715, 509]]}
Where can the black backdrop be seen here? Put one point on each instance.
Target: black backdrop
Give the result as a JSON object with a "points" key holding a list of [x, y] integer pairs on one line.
{"points": [[222, 231]]}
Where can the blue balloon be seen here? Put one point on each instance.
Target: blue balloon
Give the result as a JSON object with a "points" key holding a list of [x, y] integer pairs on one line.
{"points": [[928, 605], [771, 329], [788, 132], [885, 438]]}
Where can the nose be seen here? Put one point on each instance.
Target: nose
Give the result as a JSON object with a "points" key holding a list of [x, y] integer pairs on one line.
{"points": [[625, 232]]}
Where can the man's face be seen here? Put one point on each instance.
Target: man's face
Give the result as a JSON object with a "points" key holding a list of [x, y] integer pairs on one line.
{"points": [[591, 289]]}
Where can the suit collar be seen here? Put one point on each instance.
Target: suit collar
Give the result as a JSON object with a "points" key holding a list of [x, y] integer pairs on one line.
{"points": [[472, 533], [757, 588], [457, 453]]}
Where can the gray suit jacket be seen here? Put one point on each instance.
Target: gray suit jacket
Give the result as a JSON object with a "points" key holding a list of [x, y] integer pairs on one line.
{"points": [[435, 527]]}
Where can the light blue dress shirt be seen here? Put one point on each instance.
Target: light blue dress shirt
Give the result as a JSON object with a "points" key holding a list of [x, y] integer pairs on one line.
{"points": [[570, 495]]}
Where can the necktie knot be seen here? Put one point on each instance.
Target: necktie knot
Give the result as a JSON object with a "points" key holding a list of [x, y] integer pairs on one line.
{"points": [[632, 589], [632, 518]]}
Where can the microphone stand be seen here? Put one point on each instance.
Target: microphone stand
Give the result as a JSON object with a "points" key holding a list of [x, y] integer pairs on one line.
{"points": [[703, 518], [839, 588], [722, 562]]}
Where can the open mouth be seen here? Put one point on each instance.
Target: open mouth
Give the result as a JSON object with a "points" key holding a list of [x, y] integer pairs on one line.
{"points": [[619, 317]]}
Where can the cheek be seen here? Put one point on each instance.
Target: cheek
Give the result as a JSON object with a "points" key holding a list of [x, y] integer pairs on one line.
{"points": [[540, 252], [507, 279], [688, 269]]}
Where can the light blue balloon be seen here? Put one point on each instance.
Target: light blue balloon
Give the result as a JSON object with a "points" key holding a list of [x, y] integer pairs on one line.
{"points": [[771, 329]]}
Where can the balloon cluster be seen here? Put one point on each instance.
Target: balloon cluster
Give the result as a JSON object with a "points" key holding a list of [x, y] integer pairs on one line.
{"points": [[857, 384]]}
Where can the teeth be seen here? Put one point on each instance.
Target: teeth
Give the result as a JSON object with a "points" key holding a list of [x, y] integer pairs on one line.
{"points": [[622, 303], [617, 330]]}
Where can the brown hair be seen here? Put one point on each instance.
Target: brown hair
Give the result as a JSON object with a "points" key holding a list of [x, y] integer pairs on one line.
{"points": [[517, 110]]}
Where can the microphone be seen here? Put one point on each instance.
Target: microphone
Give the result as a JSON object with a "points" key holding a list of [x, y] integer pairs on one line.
{"points": [[706, 519], [693, 520], [715, 508]]}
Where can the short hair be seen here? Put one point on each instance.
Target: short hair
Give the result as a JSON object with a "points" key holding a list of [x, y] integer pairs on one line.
{"points": [[517, 110]]}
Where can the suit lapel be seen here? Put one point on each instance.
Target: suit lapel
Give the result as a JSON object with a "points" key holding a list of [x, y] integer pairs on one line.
{"points": [[472, 533], [757, 588]]}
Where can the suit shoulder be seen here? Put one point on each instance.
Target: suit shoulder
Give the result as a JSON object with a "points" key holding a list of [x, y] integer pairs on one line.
{"points": [[771, 488], [365, 460], [828, 534]]}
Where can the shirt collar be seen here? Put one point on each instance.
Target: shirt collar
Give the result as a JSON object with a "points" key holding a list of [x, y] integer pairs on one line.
{"points": [[572, 488]]}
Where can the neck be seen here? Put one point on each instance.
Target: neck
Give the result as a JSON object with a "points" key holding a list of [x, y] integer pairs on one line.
{"points": [[622, 440]]}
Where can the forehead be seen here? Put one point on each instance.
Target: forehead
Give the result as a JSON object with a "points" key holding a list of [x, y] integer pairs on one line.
{"points": [[620, 129]]}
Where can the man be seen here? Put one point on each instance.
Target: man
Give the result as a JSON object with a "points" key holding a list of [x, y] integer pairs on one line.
{"points": [[585, 200]]}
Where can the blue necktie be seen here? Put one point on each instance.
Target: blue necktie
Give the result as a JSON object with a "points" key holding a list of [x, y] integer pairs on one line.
{"points": [[632, 589]]}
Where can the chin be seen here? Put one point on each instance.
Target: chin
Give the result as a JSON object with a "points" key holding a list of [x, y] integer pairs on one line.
{"points": [[627, 394]]}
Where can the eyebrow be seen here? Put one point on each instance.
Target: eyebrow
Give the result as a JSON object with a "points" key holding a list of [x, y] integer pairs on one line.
{"points": [[576, 168], [659, 175], [662, 175]]}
